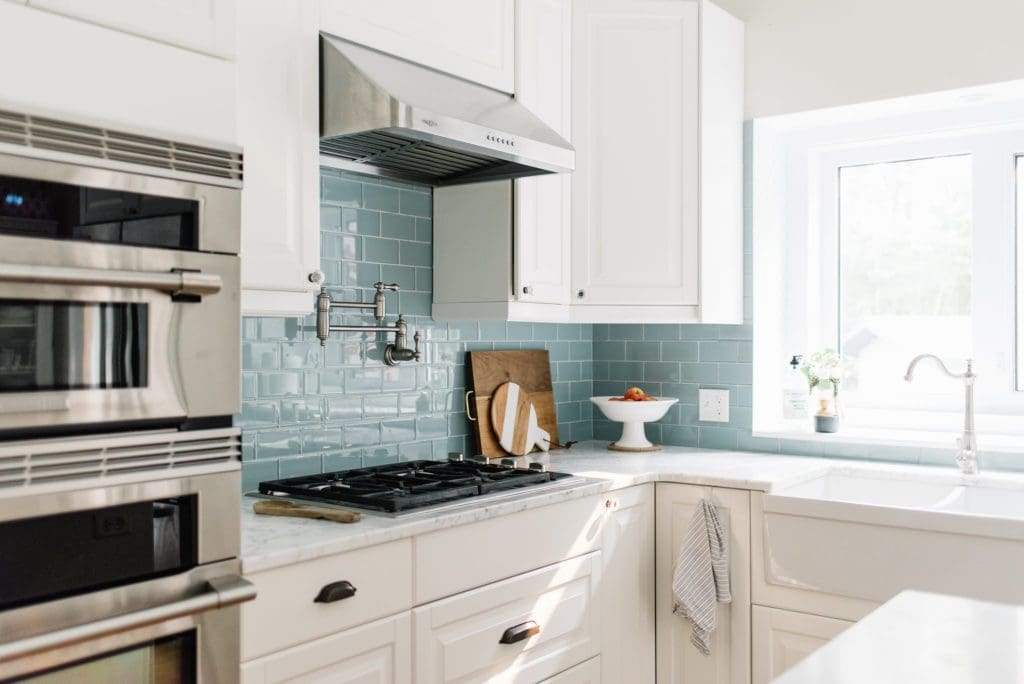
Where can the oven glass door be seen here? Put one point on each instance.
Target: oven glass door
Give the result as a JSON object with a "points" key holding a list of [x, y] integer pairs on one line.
{"points": [[67, 345], [169, 660]]}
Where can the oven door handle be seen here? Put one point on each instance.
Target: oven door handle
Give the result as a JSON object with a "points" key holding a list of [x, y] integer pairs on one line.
{"points": [[177, 283], [221, 593]]}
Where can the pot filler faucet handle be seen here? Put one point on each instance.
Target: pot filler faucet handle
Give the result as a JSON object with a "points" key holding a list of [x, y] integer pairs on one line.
{"points": [[967, 447], [397, 351], [378, 299]]}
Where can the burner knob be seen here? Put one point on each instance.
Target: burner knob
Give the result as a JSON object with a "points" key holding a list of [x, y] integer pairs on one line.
{"points": [[478, 458], [455, 456], [539, 467], [508, 462]]}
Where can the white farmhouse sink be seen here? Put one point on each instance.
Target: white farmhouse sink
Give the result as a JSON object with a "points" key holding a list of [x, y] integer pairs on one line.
{"points": [[867, 533], [906, 490]]}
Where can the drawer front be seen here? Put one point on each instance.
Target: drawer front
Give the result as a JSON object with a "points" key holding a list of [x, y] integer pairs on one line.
{"points": [[469, 556], [285, 614], [460, 639], [377, 653], [584, 673]]}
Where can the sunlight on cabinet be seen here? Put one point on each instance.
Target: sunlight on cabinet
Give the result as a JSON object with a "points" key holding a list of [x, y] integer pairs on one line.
{"points": [[782, 638]]}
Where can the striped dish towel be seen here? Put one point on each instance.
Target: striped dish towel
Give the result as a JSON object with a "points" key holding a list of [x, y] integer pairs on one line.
{"points": [[701, 576]]}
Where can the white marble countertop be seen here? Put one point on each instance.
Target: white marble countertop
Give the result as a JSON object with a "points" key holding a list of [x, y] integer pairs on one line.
{"points": [[269, 542], [921, 637]]}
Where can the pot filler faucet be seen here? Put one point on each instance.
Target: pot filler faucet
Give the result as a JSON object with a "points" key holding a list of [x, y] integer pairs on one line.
{"points": [[967, 454], [395, 351]]}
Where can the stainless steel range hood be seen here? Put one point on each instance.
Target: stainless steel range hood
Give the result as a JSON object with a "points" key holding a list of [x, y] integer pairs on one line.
{"points": [[383, 115]]}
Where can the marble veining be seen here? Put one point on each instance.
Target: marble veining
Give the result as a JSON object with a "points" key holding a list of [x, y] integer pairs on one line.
{"points": [[269, 542]]}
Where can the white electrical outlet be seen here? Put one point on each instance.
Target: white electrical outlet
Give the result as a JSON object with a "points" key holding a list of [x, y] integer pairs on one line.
{"points": [[714, 405]]}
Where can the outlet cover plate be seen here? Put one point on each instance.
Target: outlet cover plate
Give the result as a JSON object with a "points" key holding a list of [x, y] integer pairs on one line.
{"points": [[713, 405]]}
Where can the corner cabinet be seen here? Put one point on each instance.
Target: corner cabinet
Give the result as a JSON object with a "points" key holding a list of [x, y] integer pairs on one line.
{"points": [[501, 249], [278, 92], [657, 193], [473, 40], [678, 660]]}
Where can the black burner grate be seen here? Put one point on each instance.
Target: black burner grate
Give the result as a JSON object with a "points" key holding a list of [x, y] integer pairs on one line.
{"points": [[404, 486]]}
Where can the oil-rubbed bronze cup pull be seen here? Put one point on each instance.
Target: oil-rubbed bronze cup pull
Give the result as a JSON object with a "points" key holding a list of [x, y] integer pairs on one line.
{"points": [[335, 591], [520, 632]]}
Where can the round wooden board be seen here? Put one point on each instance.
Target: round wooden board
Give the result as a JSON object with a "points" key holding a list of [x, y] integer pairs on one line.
{"points": [[615, 447], [510, 412]]}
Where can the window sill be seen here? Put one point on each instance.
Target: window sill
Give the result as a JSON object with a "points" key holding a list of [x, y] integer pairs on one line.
{"points": [[857, 434]]}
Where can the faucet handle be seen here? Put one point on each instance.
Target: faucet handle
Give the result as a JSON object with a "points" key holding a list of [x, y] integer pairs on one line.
{"points": [[416, 344], [381, 286]]}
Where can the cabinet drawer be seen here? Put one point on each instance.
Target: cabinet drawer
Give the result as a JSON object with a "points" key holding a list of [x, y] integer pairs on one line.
{"points": [[459, 639], [285, 614], [378, 652], [584, 673], [460, 558]]}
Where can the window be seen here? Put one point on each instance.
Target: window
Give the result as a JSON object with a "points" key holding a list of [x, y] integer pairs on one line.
{"points": [[889, 231], [905, 261]]}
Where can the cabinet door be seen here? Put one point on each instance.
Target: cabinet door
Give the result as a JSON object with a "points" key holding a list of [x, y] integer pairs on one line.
{"points": [[634, 191], [542, 211], [473, 40], [278, 91], [202, 25], [377, 653], [782, 638], [678, 659], [627, 601]]}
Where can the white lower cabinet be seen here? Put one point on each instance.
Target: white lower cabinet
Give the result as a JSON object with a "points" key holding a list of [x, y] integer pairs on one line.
{"points": [[782, 638], [584, 673], [523, 629], [627, 586], [377, 653], [677, 659]]}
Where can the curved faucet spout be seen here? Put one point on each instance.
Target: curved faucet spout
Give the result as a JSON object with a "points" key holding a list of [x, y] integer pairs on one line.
{"points": [[921, 357]]}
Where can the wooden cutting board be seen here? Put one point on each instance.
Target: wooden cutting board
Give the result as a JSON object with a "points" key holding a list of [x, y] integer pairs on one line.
{"points": [[514, 420], [486, 371]]}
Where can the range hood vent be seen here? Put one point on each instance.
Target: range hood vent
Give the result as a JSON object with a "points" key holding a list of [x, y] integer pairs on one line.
{"points": [[383, 115]]}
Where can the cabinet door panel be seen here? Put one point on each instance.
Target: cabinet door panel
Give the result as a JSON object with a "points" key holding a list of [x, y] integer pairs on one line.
{"points": [[278, 88], [679, 661], [473, 40], [584, 673], [635, 213], [202, 25], [627, 601], [542, 204], [782, 638], [377, 653]]}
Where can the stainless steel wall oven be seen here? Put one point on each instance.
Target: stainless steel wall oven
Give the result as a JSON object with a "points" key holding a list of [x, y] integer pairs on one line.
{"points": [[119, 299]]}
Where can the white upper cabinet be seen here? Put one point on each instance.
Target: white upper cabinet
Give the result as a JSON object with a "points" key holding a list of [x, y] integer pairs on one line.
{"points": [[75, 67], [542, 204], [206, 26], [278, 90], [501, 249], [472, 39], [657, 192]]}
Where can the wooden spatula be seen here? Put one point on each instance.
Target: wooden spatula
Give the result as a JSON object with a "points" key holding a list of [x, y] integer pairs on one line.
{"points": [[514, 419], [296, 510]]}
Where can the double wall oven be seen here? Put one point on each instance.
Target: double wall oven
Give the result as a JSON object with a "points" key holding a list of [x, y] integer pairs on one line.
{"points": [[119, 376]]}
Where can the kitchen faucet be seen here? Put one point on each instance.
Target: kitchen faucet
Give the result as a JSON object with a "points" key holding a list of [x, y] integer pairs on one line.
{"points": [[967, 454]]}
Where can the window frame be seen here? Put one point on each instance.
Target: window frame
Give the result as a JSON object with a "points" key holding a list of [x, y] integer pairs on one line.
{"points": [[804, 159]]}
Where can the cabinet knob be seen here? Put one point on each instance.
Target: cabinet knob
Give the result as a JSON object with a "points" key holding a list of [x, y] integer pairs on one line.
{"points": [[316, 277], [527, 289], [580, 294], [611, 504], [335, 591]]}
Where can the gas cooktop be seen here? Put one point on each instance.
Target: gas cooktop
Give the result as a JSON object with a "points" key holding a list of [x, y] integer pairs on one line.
{"points": [[401, 487]]}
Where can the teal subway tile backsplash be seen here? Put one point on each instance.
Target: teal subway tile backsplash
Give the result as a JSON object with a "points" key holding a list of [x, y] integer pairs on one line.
{"points": [[307, 408]]}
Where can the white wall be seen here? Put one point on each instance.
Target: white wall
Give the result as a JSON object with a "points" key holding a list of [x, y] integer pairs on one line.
{"points": [[808, 54]]}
